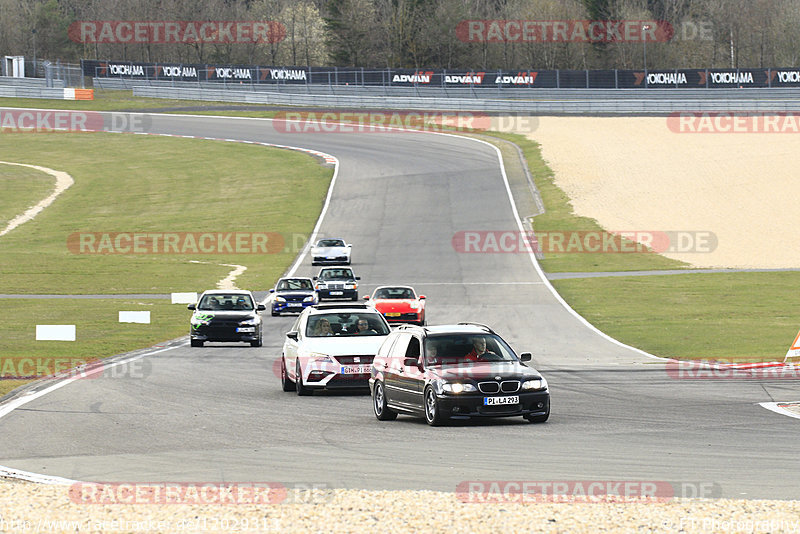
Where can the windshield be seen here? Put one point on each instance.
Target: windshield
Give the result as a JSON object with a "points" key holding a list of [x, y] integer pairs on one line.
{"points": [[295, 284], [226, 302], [346, 324], [453, 349], [394, 293], [337, 274], [330, 243]]}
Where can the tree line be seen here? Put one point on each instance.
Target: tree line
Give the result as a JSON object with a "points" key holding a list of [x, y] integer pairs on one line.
{"points": [[420, 33]]}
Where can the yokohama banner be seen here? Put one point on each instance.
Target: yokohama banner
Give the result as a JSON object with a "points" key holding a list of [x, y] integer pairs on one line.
{"points": [[424, 77]]}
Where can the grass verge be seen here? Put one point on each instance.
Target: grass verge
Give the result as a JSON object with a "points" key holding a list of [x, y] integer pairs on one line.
{"points": [[22, 188], [98, 333], [127, 183], [559, 217], [740, 317]]}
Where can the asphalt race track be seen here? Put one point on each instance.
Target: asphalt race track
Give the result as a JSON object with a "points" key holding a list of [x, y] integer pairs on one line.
{"points": [[218, 413]]}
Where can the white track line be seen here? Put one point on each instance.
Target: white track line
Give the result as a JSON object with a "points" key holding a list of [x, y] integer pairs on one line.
{"points": [[773, 407], [13, 404], [63, 182]]}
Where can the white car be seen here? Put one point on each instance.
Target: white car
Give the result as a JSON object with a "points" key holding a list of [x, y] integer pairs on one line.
{"points": [[332, 346], [331, 251]]}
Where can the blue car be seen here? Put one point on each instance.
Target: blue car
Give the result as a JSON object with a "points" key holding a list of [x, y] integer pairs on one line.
{"points": [[292, 295]]}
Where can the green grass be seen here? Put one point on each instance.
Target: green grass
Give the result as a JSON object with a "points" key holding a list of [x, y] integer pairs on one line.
{"points": [[722, 316], [126, 183], [98, 332], [22, 188]]}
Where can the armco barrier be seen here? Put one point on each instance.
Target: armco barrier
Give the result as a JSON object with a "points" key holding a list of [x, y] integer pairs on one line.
{"points": [[30, 82], [774, 93], [10, 91], [563, 106]]}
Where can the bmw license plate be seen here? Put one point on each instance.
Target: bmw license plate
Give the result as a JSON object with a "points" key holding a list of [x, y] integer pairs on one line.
{"points": [[246, 329], [355, 369], [494, 401], [336, 293]]}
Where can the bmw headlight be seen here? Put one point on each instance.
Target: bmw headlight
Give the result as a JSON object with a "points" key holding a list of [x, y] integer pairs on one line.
{"points": [[458, 387], [280, 299], [536, 383]]}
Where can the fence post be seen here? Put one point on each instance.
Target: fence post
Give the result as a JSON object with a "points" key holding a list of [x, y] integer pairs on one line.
{"points": [[48, 74]]}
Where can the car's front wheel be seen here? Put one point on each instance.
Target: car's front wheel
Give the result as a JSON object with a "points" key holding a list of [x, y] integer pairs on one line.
{"points": [[433, 413], [301, 389], [286, 384], [258, 342], [379, 404]]}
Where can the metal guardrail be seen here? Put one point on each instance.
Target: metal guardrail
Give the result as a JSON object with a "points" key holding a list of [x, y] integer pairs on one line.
{"points": [[593, 106], [11, 91], [468, 92], [30, 82]]}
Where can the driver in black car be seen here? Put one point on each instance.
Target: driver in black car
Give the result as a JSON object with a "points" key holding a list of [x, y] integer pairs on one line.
{"points": [[479, 351]]}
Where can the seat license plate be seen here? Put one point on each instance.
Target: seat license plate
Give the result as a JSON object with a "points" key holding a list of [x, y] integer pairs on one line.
{"points": [[494, 401], [356, 369]]}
